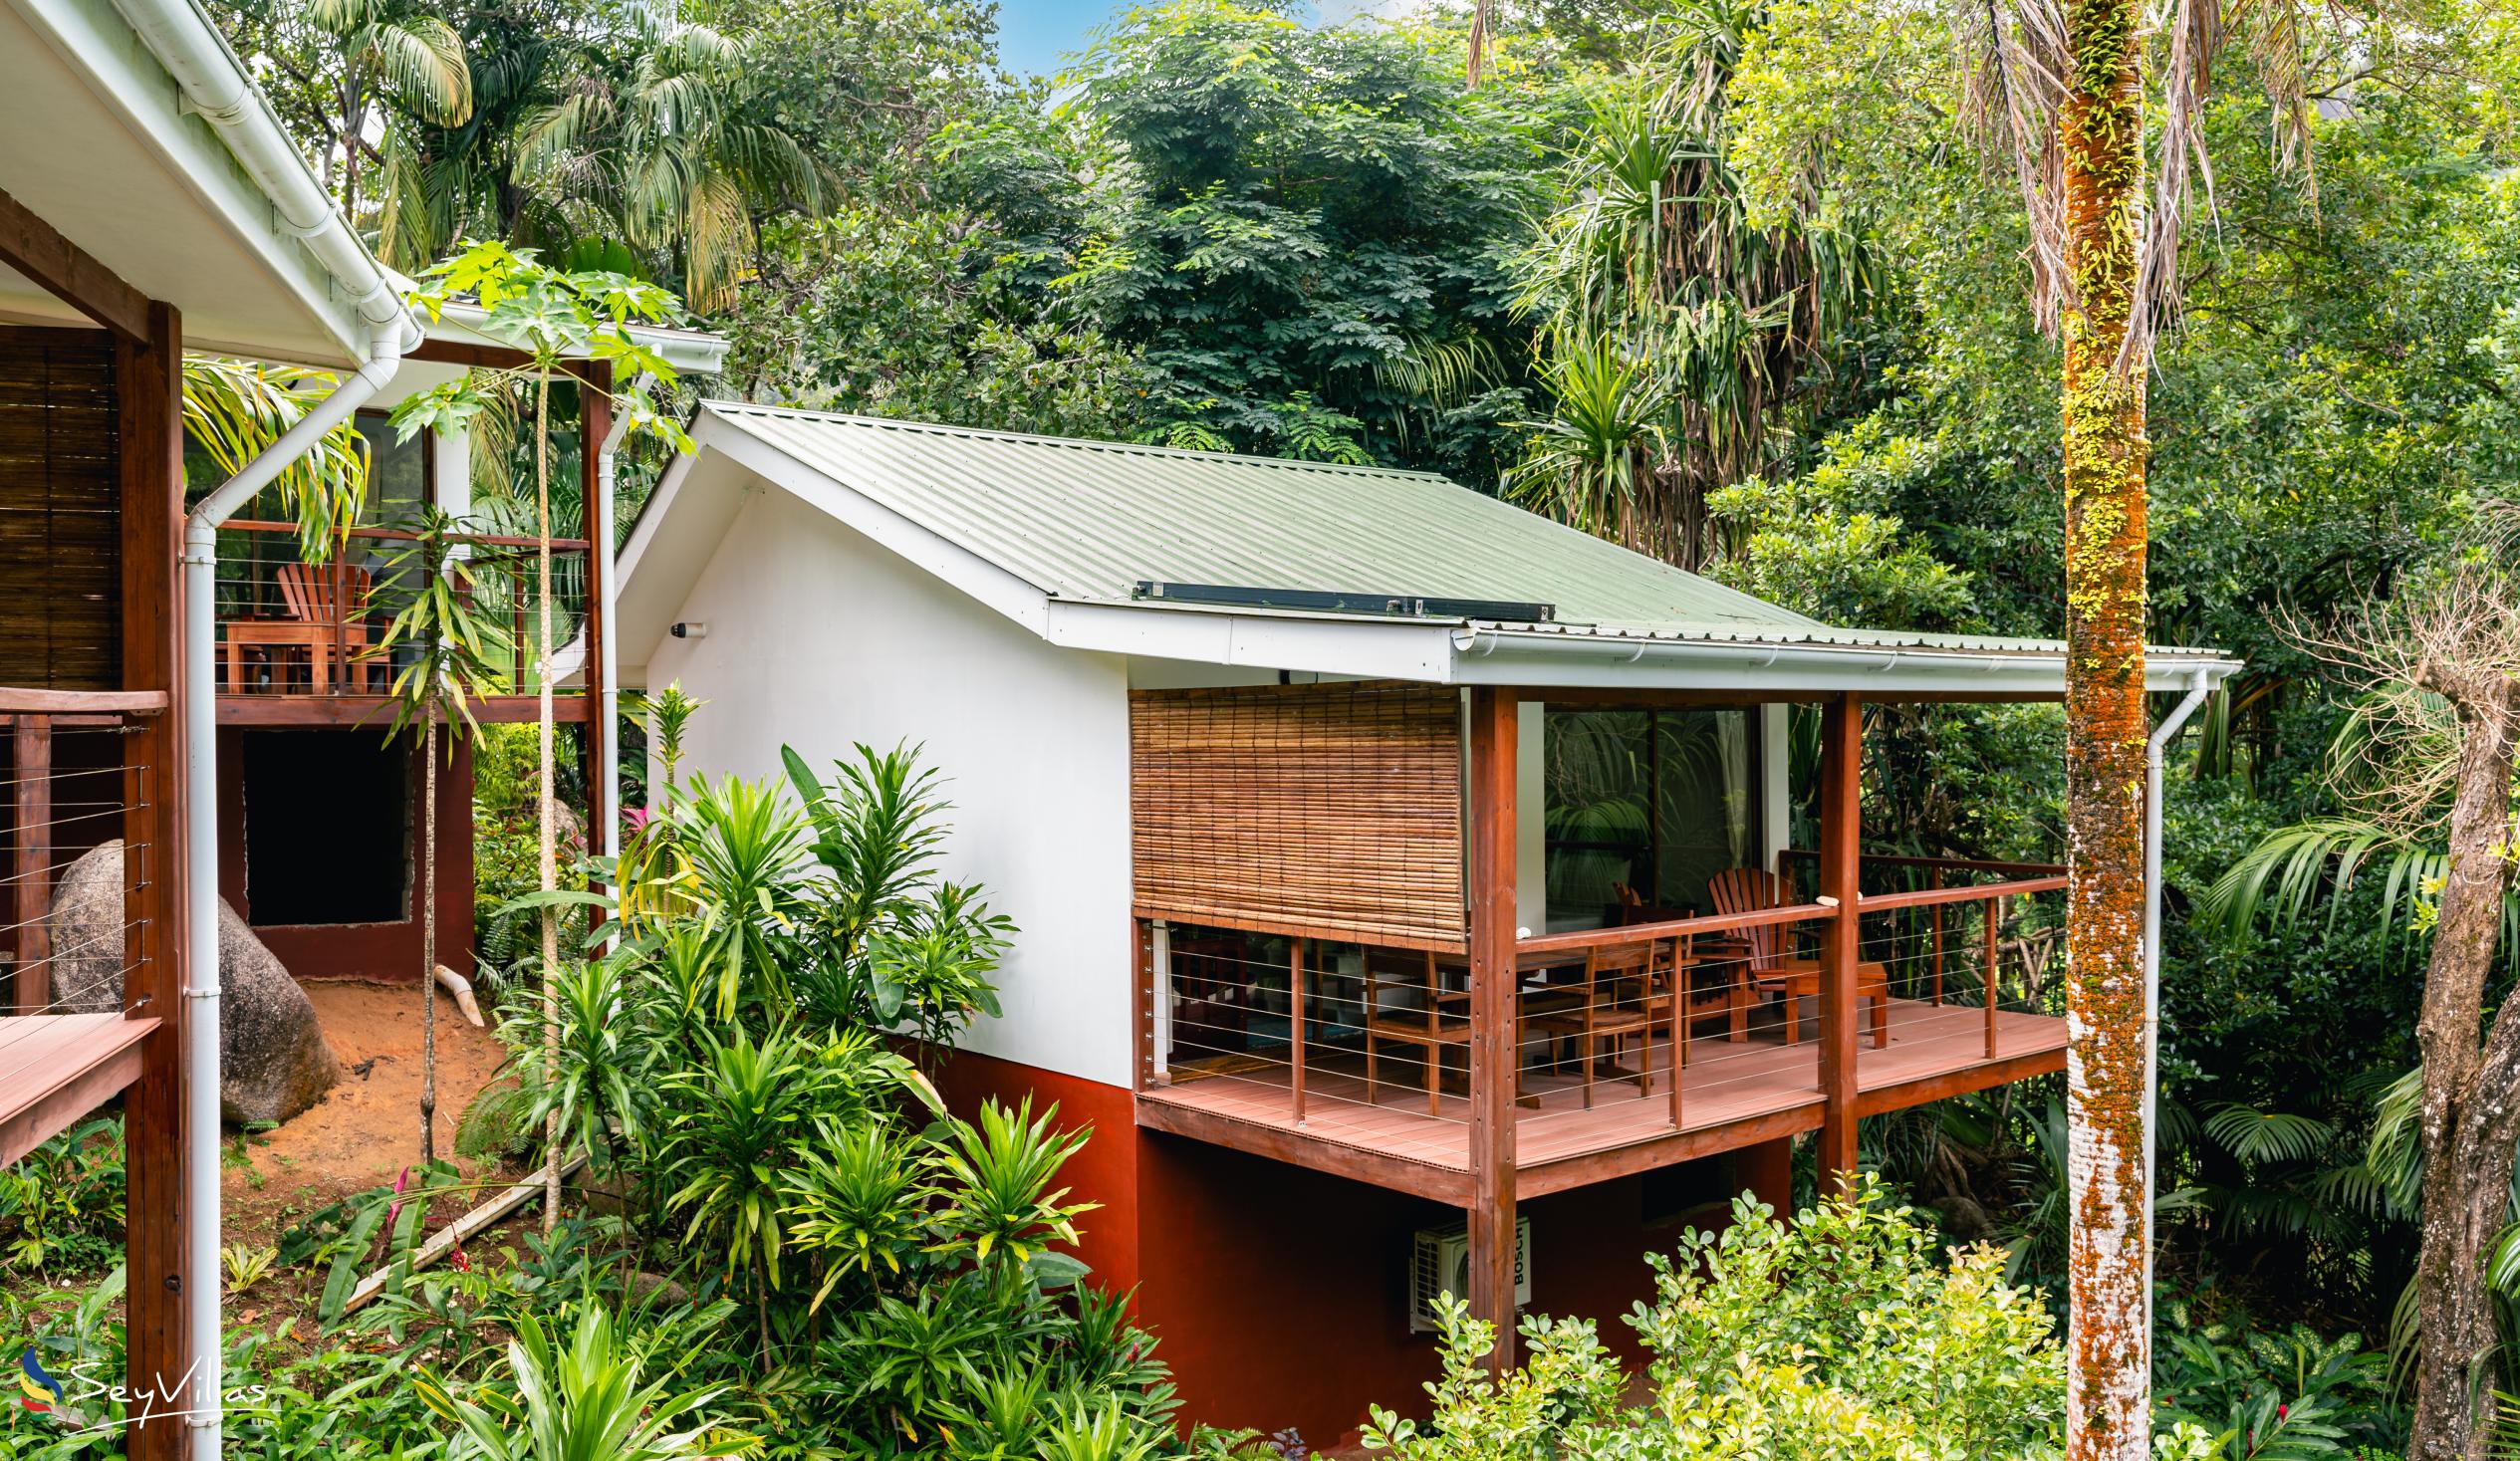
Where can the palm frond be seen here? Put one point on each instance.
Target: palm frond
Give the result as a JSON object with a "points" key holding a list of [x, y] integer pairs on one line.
{"points": [[2255, 1136], [423, 62]]}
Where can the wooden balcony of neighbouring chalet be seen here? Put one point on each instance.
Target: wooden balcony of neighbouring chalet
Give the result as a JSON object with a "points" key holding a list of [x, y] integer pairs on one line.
{"points": [[304, 644], [1708, 1024], [77, 958]]}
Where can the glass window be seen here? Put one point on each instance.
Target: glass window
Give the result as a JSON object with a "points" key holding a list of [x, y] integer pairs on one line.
{"points": [[1645, 807], [398, 473]]}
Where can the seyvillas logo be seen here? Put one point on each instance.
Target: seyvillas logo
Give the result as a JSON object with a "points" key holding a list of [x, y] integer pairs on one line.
{"points": [[43, 1392]]}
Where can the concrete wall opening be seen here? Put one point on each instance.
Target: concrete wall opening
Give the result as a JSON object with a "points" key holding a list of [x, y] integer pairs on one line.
{"points": [[327, 826]]}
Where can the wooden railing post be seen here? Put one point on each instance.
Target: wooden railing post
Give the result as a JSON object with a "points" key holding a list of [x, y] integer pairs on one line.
{"points": [[594, 423], [1494, 1051], [1841, 785], [1994, 948], [1295, 1019], [1934, 881], [34, 861]]}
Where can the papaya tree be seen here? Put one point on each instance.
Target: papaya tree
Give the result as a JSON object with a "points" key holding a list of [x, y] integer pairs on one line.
{"points": [[550, 317], [444, 653]]}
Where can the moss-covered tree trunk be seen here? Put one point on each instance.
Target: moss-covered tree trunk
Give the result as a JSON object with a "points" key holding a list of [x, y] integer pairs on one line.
{"points": [[2107, 1380], [2471, 1086]]}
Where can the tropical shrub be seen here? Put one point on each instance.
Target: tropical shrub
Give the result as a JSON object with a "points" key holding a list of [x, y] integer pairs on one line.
{"points": [[61, 1205], [2273, 1396], [1835, 1335]]}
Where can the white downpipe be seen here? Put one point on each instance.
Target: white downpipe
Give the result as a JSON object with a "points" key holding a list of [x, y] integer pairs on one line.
{"points": [[2153, 751], [607, 710], [201, 857], [214, 84]]}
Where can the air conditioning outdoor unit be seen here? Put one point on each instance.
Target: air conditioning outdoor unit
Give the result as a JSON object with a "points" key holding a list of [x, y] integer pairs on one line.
{"points": [[1439, 1262]]}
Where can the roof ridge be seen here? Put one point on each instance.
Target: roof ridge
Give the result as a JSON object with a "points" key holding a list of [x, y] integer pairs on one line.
{"points": [[1085, 443]]}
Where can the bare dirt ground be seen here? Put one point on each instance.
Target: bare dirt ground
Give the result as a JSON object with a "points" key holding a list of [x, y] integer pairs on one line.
{"points": [[366, 1129]]}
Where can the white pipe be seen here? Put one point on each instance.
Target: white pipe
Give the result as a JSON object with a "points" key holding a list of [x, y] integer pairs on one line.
{"points": [[2198, 688], [607, 710], [214, 85], [201, 859]]}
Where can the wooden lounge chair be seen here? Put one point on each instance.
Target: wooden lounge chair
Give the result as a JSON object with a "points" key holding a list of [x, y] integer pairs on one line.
{"points": [[325, 612], [1428, 1028], [1775, 967]]}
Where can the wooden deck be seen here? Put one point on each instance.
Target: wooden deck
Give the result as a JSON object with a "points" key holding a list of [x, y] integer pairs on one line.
{"points": [[56, 1069], [1732, 1095]]}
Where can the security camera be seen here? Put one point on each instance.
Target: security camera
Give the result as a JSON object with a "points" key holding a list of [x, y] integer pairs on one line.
{"points": [[692, 629]]}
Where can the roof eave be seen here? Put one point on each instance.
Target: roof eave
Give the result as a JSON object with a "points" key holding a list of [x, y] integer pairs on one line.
{"points": [[1503, 656], [107, 44], [688, 352]]}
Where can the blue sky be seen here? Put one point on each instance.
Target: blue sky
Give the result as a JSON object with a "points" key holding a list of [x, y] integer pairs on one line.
{"points": [[1037, 36]]}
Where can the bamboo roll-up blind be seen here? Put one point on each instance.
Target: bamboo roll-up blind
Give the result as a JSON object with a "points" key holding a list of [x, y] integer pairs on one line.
{"points": [[61, 521], [1331, 811]]}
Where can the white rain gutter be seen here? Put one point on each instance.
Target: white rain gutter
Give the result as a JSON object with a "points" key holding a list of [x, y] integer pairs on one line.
{"points": [[214, 86], [2153, 751]]}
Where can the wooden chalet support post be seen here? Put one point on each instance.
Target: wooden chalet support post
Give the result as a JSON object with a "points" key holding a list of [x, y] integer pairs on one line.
{"points": [[595, 422], [1841, 830], [33, 869], [1494, 1056], [150, 379]]}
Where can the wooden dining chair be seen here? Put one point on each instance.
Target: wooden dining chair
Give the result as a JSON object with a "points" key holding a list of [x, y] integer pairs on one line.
{"points": [[1615, 1005], [1775, 966], [1705, 979], [1211, 1005], [1428, 1028]]}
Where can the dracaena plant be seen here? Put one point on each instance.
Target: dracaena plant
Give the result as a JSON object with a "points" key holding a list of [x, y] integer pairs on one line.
{"points": [[582, 1398]]}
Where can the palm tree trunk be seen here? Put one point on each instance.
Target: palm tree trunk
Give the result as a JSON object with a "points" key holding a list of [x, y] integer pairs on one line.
{"points": [[2108, 1377], [546, 835], [428, 937]]}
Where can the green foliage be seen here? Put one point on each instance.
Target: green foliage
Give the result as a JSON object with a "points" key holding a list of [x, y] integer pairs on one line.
{"points": [[444, 652], [910, 313], [1834, 1335], [580, 1401], [1286, 214], [61, 1205], [1672, 328], [234, 409], [2275, 1396]]}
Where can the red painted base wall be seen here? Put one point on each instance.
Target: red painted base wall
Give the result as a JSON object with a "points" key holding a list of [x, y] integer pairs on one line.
{"points": [[1279, 1295]]}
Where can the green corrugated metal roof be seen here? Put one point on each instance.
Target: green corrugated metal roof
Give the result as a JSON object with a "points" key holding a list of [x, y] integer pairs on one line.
{"points": [[1088, 519]]}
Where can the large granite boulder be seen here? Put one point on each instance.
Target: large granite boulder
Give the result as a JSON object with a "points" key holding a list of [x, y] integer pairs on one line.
{"points": [[273, 1062]]}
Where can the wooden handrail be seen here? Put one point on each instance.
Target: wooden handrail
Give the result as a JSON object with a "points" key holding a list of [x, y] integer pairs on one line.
{"points": [[1960, 865], [398, 535], [1966, 894], [1581, 938], [73, 702]]}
